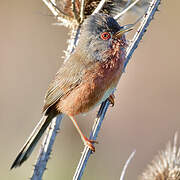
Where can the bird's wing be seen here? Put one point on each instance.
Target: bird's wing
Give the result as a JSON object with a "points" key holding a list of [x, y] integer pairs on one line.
{"points": [[68, 77]]}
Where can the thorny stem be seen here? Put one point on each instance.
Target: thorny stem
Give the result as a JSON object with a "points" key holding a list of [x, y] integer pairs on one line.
{"points": [[51, 133], [46, 148], [87, 152], [82, 11]]}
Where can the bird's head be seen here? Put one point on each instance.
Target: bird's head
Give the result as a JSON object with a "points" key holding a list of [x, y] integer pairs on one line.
{"points": [[101, 33]]}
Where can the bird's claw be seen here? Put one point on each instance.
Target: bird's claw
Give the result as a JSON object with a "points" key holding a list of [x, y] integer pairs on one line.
{"points": [[89, 143], [111, 99]]}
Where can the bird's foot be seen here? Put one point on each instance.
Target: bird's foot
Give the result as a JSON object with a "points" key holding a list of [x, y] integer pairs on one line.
{"points": [[111, 99], [90, 143]]}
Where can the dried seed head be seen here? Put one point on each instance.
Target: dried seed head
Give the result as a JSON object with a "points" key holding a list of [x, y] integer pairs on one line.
{"points": [[166, 165], [110, 7]]}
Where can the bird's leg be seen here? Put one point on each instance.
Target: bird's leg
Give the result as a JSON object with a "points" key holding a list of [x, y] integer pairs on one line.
{"points": [[86, 141], [111, 99]]}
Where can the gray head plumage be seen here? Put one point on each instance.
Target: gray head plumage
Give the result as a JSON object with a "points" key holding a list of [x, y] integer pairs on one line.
{"points": [[91, 39]]}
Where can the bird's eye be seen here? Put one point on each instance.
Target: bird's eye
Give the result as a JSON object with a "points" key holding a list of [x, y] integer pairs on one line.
{"points": [[105, 35]]}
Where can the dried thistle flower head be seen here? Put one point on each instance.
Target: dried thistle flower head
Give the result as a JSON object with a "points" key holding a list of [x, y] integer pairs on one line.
{"points": [[111, 7], [90, 5], [165, 166]]}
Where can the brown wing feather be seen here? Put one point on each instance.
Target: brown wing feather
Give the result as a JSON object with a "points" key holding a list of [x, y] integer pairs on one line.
{"points": [[68, 77]]}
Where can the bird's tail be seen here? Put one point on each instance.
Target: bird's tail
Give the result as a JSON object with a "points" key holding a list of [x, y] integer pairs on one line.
{"points": [[33, 139]]}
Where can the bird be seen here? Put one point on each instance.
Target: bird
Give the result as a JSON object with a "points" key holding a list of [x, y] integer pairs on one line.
{"points": [[87, 79]]}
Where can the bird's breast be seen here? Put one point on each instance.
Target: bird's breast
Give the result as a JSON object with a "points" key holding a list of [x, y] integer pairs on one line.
{"points": [[110, 73], [98, 83]]}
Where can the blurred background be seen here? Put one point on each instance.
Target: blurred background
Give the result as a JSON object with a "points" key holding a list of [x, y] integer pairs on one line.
{"points": [[146, 113]]}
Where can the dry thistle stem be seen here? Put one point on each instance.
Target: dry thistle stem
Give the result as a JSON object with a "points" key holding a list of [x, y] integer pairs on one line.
{"points": [[166, 165]]}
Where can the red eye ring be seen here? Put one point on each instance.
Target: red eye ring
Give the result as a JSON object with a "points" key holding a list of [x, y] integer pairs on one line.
{"points": [[105, 35]]}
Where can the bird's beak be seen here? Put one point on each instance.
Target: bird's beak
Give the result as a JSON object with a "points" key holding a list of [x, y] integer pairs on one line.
{"points": [[123, 30]]}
